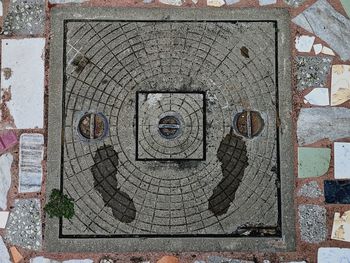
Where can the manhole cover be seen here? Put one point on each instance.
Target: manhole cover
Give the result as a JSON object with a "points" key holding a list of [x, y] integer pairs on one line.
{"points": [[174, 172]]}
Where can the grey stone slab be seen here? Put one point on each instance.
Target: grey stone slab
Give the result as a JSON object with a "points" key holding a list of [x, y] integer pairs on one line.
{"points": [[315, 124], [31, 152], [325, 22], [217, 259], [313, 223], [5, 178], [312, 71], [4, 254], [23, 228], [170, 186], [25, 18], [311, 190]]}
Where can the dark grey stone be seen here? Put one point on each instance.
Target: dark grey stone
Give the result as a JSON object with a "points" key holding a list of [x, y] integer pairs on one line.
{"points": [[313, 227], [312, 71]]}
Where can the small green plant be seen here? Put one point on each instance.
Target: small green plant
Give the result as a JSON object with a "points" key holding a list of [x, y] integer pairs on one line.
{"points": [[59, 205]]}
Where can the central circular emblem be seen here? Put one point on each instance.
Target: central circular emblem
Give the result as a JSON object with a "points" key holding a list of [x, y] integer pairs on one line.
{"points": [[169, 125]]}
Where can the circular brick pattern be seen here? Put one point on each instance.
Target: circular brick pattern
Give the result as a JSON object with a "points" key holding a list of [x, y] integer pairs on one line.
{"points": [[113, 61]]}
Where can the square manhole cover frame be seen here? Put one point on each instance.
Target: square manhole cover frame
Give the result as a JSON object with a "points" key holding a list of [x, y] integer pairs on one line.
{"points": [[55, 241]]}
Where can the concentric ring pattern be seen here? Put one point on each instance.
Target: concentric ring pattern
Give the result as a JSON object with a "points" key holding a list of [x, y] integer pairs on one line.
{"points": [[233, 64]]}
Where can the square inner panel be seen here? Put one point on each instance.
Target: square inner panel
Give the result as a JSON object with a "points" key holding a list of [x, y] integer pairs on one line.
{"points": [[175, 128]]}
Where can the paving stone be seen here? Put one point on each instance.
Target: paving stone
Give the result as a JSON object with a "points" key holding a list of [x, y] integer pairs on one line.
{"points": [[311, 190], [31, 152], [25, 18], [15, 255], [333, 255], [312, 219], [346, 5], [216, 259], [216, 3], [5, 178], [267, 2], [325, 22], [8, 139], [24, 224], [337, 191], [312, 72], [313, 162], [341, 160], [318, 96], [304, 43], [172, 2], [24, 58], [315, 124], [294, 3], [4, 254], [3, 218], [341, 226], [318, 48], [340, 87]]}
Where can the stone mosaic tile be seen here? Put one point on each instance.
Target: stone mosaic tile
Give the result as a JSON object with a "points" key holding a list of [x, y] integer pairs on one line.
{"points": [[217, 259], [4, 254], [337, 191], [346, 5], [341, 226], [327, 51], [313, 162], [231, 2], [3, 218], [267, 2], [341, 160], [315, 124], [8, 139], [31, 153], [5, 178], [310, 190], [168, 259], [294, 3], [312, 72], [304, 43], [325, 22], [15, 255], [24, 224], [216, 3], [318, 48], [67, 1], [318, 96], [1, 9], [47, 260], [340, 87], [25, 18], [24, 59], [172, 2], [312, 219], [333, 255]]}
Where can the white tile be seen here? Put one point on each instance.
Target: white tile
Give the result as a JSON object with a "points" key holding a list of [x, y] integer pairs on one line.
{"points": [[216, 3], [304, 43], [31, 151], [267, 2], [327, 51], [1, 9], [318, 96], [171, 2], [318, 48], [333, 255], [341, 226], [4, 215], [341, 160], [24, 59], [5, 178], [231, 2], [340, 87], [4, 254]]}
